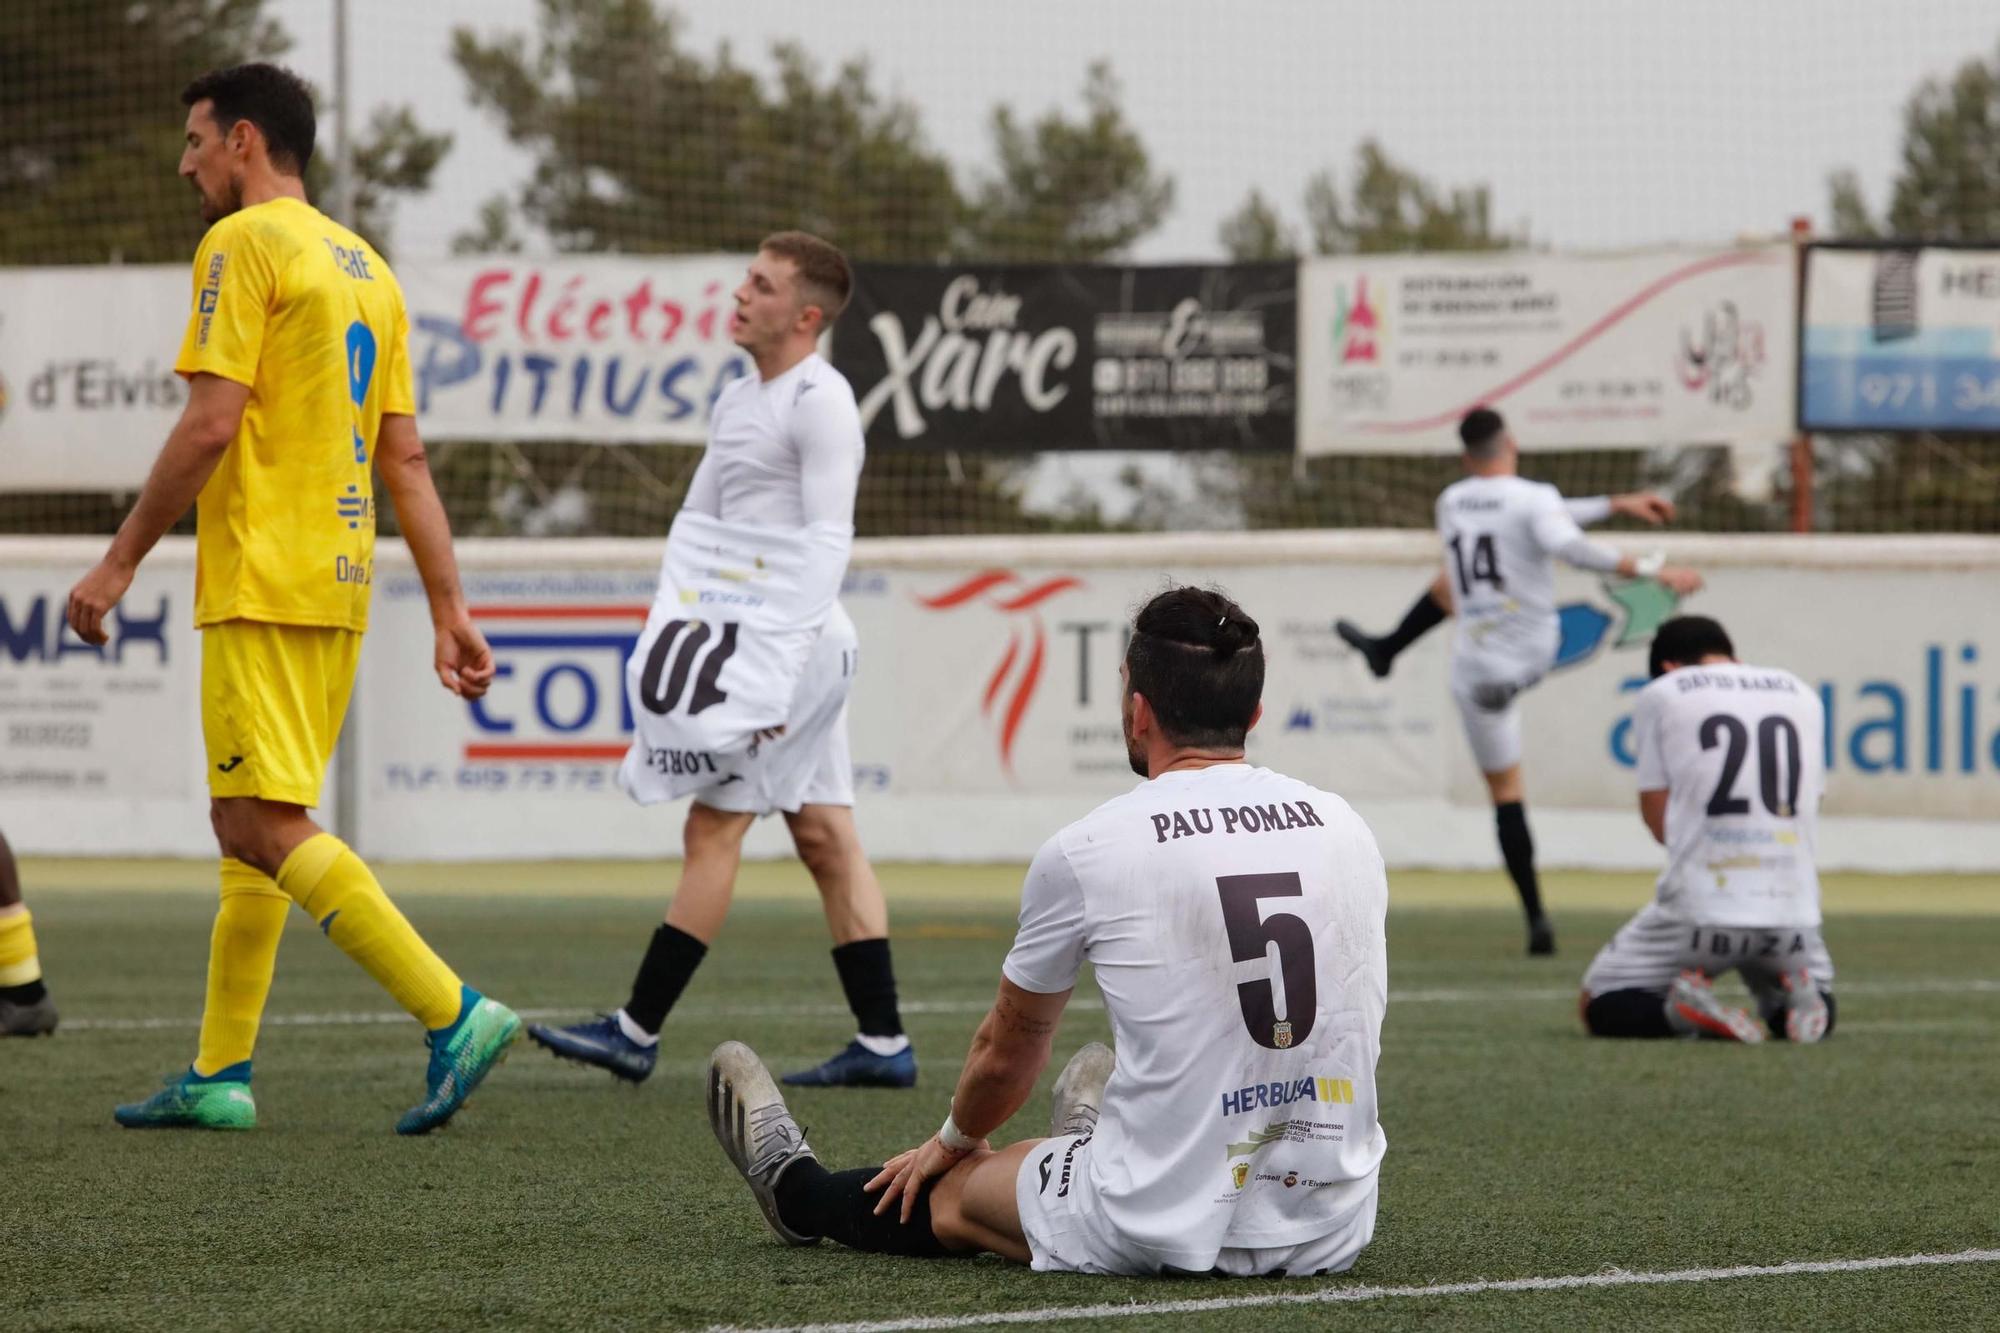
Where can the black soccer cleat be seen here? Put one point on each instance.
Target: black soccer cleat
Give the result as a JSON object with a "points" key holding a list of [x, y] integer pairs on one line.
{"points": [[602, 1043], [28, 1018], [1541, 937], [1379, 659]]}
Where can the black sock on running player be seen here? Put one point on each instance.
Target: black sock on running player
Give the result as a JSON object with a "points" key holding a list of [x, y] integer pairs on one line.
{"points": [[670, 961], [814, 1201], [1517, 848], [869, 979], [1423, 616], [31, 992]]}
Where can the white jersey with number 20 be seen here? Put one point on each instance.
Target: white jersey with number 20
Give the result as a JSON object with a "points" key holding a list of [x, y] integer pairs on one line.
{"points": [[1739, 751], [1234, 918]]}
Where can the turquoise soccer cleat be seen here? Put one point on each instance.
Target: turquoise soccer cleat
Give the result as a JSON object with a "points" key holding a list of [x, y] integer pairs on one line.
{"points": [[189, 1101], [461, 1056]]}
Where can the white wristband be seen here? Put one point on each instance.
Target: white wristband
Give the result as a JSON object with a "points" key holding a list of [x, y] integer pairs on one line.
{"points": [[953, 1138], [1649, 565]]}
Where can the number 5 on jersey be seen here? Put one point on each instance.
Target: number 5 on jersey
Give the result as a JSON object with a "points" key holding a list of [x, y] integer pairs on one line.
{"points": [[1250, 938]]}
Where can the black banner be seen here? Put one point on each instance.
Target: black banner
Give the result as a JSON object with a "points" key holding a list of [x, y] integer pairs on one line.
{"points": [[1073, 356]]}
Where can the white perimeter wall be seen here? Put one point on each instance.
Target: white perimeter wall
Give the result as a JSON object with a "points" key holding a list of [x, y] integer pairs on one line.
{"points": [[985, 714]]}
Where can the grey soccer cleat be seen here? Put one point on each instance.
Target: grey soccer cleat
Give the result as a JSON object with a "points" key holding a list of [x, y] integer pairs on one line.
{"points": [[748, 1115], [1079, 1091], [28, 1020], [1692, 1008], [1805, 1008]]}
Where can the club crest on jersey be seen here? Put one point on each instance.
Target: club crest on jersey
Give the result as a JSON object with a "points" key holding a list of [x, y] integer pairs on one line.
{"points": [[1281, 1035], [1239, 1173]]}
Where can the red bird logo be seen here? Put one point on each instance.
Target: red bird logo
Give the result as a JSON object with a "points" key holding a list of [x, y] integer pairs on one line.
{"points": [[1003, 591]]}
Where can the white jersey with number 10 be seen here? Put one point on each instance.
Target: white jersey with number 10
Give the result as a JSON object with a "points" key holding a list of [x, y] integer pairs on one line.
{"points": [[1234, 918]]}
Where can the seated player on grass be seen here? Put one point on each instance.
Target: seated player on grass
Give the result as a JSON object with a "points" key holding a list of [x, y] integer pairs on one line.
{"points": [[1234, 918], [1730, 777]]}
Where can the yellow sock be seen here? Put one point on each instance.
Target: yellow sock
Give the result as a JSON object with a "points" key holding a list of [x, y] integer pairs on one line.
{"points": [[19, 963], [242, 955], [327, 879]]}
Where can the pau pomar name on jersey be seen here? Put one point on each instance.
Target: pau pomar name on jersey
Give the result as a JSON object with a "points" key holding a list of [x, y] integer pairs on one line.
{"points": [[1271, 817]]}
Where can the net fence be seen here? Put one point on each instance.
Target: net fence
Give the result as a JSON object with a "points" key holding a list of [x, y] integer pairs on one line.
{"points": [[1148, 130]]}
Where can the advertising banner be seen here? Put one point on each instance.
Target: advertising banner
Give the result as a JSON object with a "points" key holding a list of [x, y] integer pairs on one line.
{"points": [[87, 384], [1073, 356], [1663, 347], [1901, 338], [613, 349], [575, 348]]}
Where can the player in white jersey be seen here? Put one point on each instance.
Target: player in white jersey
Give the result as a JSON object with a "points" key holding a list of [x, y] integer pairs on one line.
{"points": [[785, 452], [1730, 774], [1502, 535], [1234, 918]]}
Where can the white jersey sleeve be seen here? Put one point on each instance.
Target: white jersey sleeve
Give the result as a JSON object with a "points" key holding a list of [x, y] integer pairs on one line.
{"points": [[1652, 762], [1048, 945], [826, 431]]}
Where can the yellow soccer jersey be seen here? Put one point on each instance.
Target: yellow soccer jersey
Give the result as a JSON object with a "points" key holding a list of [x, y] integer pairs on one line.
{"points": [[306, 314]]}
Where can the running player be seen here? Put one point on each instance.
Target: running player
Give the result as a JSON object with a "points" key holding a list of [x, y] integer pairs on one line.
{"points": [[1502, 535], [298, 376], [784, 458], [1237, 1133], [1730, 776], [1433, 608], [25, 1007]]}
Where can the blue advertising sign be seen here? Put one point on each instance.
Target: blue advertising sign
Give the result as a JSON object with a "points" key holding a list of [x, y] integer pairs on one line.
{"points": [[1900, 338]]}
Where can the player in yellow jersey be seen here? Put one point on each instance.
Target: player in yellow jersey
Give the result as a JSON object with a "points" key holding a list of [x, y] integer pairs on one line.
{"points": [[296, 357]]}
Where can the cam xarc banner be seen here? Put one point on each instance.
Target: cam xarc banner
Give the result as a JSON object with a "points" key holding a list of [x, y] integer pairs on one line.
{"points": [[1662, 347], [1073, 356], [612, 349], [1901, 338]]}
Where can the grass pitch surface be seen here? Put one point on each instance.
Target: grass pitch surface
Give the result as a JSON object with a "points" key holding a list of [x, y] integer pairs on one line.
{"points": [[1518, 1149]]}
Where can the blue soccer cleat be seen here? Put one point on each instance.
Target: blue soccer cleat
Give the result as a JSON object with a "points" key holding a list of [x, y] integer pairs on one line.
{"points": [[600, 1042], [462, 1055], [189, 1101], [859, 1067]]}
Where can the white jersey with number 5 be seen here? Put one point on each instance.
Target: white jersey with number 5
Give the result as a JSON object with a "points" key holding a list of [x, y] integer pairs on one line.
{"points": [[1502, 536], [1739, 751], [1234, 918]]}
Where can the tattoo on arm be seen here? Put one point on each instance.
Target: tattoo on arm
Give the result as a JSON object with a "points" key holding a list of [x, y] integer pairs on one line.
{"points": [[1011, 1017]]}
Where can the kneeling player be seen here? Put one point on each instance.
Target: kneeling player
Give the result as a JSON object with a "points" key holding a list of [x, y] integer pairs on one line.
{"points": [[1729, 779], [1237, 1133]]}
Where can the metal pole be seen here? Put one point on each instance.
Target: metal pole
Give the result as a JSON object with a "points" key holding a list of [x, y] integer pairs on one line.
{"points": [[342, 202], [1802, 449], [346, 763]]}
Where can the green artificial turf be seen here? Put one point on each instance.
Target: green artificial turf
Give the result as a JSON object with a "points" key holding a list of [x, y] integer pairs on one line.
{"points": [[559, 1200]]}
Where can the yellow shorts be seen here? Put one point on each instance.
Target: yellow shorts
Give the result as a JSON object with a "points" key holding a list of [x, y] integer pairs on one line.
{"points": [[272, 699]]}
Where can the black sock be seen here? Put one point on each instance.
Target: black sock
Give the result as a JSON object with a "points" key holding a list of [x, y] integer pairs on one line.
{"points": [[1628, 1013], [28, 992], [1422, 617], [663, 974], [870, 983], [1517, 848], [817, 1202]]}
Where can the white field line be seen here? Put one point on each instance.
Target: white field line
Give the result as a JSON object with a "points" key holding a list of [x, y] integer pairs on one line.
{"points": [[1478, 995], [1356, 1295]]}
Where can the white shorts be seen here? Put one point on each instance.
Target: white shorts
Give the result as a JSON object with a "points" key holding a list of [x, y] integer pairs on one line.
{"points": [[1067, 1232], [1656, 946], [1488, 693], [810, 764]]}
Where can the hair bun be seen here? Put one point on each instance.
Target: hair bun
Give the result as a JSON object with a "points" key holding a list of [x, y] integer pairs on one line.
{"points": [[1234, 631]]}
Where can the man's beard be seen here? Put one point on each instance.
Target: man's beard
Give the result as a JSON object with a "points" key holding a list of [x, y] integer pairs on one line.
{"points": [[1136, 756], [215, 210]]}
